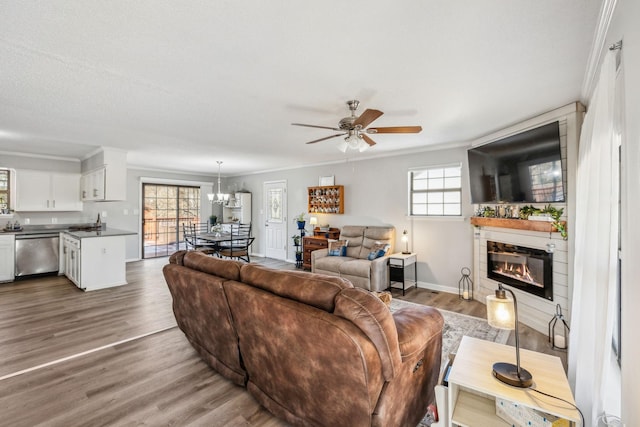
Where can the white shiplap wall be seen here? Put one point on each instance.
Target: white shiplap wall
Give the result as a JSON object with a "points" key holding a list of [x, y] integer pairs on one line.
{"points": [[535, 311]]}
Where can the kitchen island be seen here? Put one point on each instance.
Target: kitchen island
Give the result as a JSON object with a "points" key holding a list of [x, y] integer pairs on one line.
{"points": [[94, 259]]}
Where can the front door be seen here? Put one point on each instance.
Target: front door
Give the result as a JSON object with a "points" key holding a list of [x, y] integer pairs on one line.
{"points": [[275, 197]]}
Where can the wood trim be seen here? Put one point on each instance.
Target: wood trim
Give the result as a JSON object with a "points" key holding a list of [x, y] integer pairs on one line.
{"points": [[519, 224]]}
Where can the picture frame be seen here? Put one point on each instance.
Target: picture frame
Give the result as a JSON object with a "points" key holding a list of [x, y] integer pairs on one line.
{"points": [[326, 180]]}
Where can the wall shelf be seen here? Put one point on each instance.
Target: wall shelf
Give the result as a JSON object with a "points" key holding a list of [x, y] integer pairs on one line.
{"points": [[326, 199], [519, 224]]}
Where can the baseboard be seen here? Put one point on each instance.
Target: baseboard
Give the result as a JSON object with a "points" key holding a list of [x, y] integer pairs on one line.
{"points": [[439, 288]]}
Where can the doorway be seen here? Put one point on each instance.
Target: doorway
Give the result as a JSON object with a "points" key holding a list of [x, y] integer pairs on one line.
{"points": [[165, 209], [275, 199]]}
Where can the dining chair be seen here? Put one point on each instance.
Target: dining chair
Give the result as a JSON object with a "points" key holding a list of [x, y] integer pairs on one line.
{"points": [[239, 243], [192, 237]]}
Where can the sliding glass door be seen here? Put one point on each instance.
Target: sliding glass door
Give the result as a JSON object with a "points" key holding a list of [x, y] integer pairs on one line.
{"points": [[166, 208]]}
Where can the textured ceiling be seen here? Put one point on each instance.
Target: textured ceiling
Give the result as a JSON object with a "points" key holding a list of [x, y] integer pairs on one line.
{"points": [[180, 85]]}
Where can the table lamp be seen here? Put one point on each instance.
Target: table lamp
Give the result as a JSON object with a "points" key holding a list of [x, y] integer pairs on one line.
{"points": [[405, 239], [313, 220], [502, 313]]}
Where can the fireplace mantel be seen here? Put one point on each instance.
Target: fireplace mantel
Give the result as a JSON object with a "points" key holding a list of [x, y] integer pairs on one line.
{"points": [[519, 224]]}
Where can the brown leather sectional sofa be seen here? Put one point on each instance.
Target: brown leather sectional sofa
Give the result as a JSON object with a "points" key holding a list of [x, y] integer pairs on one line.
{"points": [[312, 349]]}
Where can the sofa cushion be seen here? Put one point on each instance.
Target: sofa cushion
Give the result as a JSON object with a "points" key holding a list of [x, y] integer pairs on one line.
{"points": [[317, 290], [373, 235], [354, 234], [216, 266], [378, 250], [355, 267], [305, 364], [373, 318], [199, 302], [338, 247], [416, 326], [331, 263]]}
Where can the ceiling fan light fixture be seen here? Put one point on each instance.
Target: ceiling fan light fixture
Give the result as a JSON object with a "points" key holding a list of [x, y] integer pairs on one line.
{"points": [[356, 129]]}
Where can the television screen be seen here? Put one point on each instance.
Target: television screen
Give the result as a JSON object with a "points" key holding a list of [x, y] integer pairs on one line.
{"points": [[523, 168]]}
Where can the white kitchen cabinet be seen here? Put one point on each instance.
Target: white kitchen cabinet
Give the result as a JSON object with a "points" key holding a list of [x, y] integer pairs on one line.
{"points": [[71, 258], [7, 257], [104, 176], [95, 262], [239, 208], [106, 183], [47, 191]]}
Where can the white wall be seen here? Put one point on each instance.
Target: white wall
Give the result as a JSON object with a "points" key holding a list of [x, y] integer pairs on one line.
{"points": [[376, 194], [624, 26]]}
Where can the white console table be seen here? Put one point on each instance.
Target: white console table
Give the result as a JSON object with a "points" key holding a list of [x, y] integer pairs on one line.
{"points": [[473, 390]]}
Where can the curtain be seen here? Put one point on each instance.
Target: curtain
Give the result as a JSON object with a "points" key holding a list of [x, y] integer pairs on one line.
{"points": [[596, 240]]}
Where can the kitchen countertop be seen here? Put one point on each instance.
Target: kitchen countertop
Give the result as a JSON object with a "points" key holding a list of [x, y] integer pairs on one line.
{"points": [[99, 233], [80, 231]]}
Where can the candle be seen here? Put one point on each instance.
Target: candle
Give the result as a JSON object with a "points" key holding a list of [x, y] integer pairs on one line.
{"points": [[559, 341], [465, 294]]}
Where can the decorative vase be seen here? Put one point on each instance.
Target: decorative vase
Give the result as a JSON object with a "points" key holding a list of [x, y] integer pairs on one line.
{"points": [[301, 225], [298, 256]]}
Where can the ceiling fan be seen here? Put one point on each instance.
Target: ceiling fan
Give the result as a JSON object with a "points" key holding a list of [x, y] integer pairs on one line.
{"points": [[356, 131]]}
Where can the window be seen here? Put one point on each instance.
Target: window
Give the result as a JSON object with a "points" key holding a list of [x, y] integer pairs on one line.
{"points": [[5, 193], [436, 191]]}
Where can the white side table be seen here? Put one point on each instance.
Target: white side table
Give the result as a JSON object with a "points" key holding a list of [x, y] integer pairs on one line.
{"points": [[473, 389], [398, 263]]}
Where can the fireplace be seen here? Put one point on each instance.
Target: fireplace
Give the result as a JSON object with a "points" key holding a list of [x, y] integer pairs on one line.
{"points": [[525, 268]]}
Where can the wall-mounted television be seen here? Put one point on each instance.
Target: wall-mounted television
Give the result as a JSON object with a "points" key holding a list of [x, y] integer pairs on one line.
{"points": [[523, 168]]}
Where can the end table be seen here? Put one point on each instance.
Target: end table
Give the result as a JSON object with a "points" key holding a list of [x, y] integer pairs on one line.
{"points": [[398, 263], [473, 390]]}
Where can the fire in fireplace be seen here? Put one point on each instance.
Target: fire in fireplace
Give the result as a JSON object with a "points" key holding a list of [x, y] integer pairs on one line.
{"points": [[527, 269]]}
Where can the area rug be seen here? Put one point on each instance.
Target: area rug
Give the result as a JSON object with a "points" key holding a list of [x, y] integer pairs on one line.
{"points": [[455, 327]]}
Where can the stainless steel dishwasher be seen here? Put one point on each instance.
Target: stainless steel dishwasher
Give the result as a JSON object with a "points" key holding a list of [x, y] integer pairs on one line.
{"points": [[37, 253]]}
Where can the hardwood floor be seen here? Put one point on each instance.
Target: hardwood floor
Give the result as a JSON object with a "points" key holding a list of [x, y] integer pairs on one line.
{"points": [[114, 357]]}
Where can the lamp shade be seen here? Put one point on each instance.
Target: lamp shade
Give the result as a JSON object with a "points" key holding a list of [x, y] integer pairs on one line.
{"points": [[313, 220], [500, 312]]}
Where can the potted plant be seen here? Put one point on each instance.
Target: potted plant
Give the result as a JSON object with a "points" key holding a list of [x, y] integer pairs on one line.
{"points": [[300, 220], [296, 239], [212, 220]]}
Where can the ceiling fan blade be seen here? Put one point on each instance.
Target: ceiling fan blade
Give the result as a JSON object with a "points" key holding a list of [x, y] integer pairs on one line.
{"points": [[368, 140], [315, 126], [367, 117], [326, 137], [396, 129]]}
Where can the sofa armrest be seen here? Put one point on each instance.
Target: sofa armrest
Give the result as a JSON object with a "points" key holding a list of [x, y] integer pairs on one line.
{"points": [[317, 254], [417, 327], [379, 278]]}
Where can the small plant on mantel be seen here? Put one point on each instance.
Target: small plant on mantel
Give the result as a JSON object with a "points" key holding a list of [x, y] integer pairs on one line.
{"points": [[557, 224], [554, 213]]}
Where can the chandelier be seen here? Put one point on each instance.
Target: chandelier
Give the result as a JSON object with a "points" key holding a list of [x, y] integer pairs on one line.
{"points": [[353, 141], [218, 197]]}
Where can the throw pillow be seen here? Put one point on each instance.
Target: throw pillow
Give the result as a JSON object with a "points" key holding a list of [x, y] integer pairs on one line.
{"points": [[378, 250], [338, 248]]}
